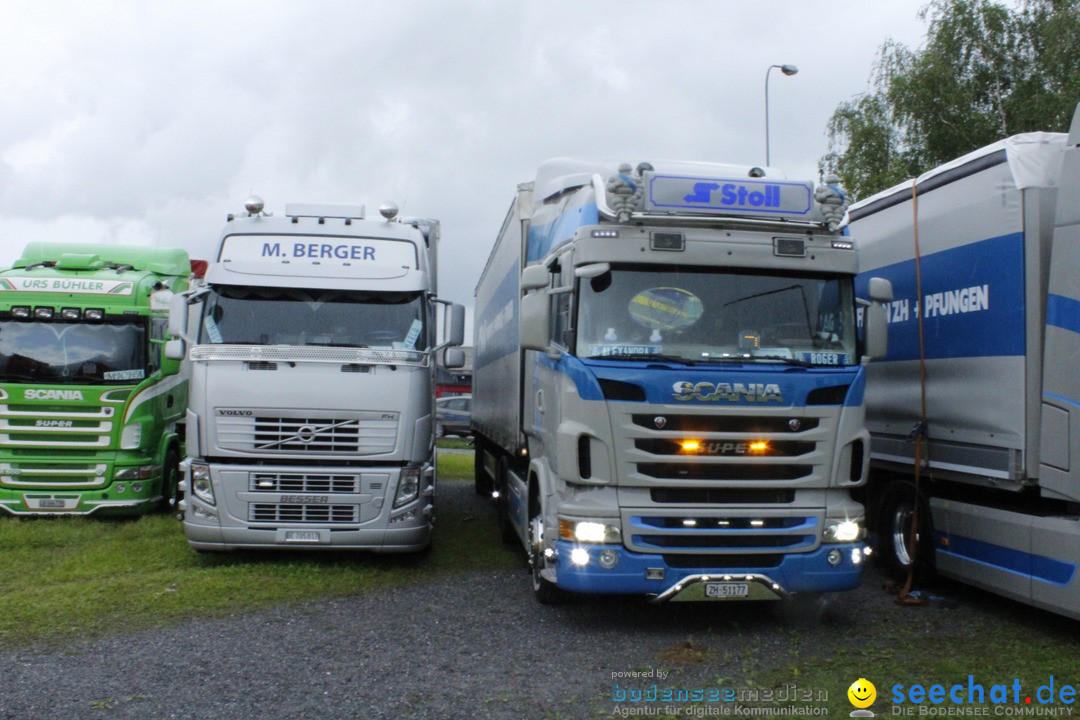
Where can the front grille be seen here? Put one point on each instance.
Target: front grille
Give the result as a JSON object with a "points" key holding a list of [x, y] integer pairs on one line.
{"points": [[723, 561], [727, 471], [294, 513], [53, 475], [725, 448], [712, 423], [721, 496], [742, 532], [304, 483], [361, 434], [56, 426]]}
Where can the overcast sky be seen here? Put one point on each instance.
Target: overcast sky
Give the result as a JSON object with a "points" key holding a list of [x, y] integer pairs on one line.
{"points": [[147, 122]]}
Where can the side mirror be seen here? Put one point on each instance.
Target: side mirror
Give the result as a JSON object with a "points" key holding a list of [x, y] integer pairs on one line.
{"points": [[175, 349], [876, 328], [535, 277], [535, 323], [453, 358], [457, 326], [880, 290], [178, 316]]}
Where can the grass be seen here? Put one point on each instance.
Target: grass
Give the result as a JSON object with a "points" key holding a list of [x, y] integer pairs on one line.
{"points": [[454, 442], [84, 576], [1031, 653]]}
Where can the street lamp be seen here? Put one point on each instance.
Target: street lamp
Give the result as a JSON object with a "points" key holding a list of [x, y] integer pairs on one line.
{"points": [[787, 70]]}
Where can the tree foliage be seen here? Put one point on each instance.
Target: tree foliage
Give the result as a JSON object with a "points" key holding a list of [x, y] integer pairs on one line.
{"points": [[985, 71]]}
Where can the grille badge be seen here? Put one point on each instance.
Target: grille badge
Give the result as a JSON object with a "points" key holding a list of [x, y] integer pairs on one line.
{"points": [[794, 424], [660, 421]]}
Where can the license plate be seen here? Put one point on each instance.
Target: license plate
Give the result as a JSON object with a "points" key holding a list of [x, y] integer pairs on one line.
{"points": [[51, 503], [302, 536], [727, 590]]}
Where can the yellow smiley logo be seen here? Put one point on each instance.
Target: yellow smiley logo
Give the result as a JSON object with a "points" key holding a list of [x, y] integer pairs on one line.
{"points": [[862, 693]]}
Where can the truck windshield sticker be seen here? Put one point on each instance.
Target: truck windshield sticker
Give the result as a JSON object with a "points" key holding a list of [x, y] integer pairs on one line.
{"points": [[610, 350], [212, 330], [335, 250], [666, 308], [125, 374], [414, 333]]}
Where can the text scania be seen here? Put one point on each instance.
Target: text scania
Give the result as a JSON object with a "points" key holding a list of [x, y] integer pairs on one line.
{"points": [[730, 392], [35, 394], [321, 250]]}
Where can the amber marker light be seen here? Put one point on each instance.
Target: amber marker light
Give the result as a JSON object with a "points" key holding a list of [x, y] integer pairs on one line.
{"points": [[758, 447], [691, 446]]}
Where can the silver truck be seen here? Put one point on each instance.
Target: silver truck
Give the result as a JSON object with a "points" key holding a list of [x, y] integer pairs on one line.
{"points": [[312, 349], [975, 447]]}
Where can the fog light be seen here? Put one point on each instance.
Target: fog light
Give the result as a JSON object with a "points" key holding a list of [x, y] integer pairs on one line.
{"points": [[856, 556], [404, 517], [579, 557], [835, 557], [204, 514], [120, 488], [608, 558], [136, 488]]}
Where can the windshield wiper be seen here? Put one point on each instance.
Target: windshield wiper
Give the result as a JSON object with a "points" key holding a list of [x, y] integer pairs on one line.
{"points": [[645, 357], [786, 360]]}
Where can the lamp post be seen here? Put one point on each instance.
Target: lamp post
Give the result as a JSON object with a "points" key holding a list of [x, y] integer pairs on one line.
{"points": [[787, 70]]}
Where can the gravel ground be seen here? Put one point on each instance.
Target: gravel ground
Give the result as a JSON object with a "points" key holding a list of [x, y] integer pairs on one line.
{"points": [[475, 646]]}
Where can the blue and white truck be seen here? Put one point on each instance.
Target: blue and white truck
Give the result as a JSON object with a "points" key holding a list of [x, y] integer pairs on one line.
{"points": [[312, 347], [975, 448], [668, 386]]}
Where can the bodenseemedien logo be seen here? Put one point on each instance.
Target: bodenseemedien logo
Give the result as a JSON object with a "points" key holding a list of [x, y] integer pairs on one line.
{"points": [[862, 694]]}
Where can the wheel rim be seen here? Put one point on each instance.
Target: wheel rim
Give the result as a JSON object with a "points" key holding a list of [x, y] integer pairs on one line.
{"points": [[901, 533], [536, 550]]}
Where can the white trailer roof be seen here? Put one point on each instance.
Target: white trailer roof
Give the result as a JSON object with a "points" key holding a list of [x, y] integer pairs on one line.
{"points": [[1034, 160]]}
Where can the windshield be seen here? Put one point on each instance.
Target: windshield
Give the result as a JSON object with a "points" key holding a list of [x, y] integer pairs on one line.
{"points": [[75, 353], [329, 318], [701, 316]]}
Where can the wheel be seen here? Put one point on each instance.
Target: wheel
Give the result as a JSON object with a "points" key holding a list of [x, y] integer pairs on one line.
{"points": [[440, 431], [895, 546], [545, 591], [170, 477], [482, 484], [502, 503]]}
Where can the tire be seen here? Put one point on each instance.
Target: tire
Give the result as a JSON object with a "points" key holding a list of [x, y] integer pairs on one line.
{"points": [[894, 539], [502, 503], [170, 478], [440, 431], [545, 591], [482, 484]]}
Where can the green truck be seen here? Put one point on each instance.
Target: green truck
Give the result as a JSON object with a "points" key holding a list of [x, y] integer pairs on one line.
{"points": [[89, 404]]}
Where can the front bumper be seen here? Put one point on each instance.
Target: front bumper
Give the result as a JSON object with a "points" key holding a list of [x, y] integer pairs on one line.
{"points": [[650, 574]]}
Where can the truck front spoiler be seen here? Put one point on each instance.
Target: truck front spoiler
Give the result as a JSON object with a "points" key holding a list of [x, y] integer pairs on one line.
{"points": [[695, 588]]}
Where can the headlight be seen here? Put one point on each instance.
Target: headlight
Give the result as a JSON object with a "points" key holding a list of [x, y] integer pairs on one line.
{"points": [[143, 472], [408, 488], [589, 531], [201, 486], [843, 531]]}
